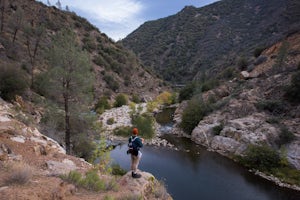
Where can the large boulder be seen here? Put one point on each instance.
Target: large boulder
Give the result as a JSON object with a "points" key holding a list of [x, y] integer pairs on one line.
{"points": [[293, 154], [146, 186]]}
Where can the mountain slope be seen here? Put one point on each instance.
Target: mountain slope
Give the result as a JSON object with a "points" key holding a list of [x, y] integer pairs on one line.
{"points": [[28, 28], [181, 46]]}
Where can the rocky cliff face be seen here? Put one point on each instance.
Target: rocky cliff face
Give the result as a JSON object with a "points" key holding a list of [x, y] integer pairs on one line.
{"points": [[241, 120], [31, 165]]}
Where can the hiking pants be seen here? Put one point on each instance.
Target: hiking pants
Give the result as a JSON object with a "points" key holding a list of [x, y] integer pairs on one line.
{"points": [[135, 160]]}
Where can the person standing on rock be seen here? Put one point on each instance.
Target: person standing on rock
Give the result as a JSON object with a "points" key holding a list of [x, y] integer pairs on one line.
{"points": [[135, 144]]}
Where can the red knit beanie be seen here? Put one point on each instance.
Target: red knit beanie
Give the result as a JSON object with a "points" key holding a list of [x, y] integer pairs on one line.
{"points": [[135, 131]]}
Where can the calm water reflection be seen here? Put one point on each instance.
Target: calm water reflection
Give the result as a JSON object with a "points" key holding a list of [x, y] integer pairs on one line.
{"points": [[194, 173]]}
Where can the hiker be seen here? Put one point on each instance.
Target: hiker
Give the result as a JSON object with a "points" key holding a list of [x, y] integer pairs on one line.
{"points": [[134, 145]]}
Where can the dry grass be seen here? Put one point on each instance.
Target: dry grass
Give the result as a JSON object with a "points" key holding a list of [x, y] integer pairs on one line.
{"points": [[19, 174], [160, 190]]}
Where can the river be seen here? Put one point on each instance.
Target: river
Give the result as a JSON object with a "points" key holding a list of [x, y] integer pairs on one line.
{"points": [[193, 173]]}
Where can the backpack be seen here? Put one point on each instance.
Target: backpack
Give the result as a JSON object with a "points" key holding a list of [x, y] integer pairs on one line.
{"points": [[132, 148]]}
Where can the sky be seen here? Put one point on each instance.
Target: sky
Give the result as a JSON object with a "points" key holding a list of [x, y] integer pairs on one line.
{"points": [[118, 18]]}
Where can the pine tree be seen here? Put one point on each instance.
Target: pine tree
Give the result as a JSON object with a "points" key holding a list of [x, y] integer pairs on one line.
{"points": [[70, 77]]}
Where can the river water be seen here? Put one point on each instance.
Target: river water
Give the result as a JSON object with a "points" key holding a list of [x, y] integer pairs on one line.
{"points": [[192, 173]]}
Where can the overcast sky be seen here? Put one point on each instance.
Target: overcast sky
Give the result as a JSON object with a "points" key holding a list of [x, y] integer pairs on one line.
{"points": [[118, 18]]}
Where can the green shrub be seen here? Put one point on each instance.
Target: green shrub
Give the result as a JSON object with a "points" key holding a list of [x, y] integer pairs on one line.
{"points": [[194, 112], [118, 170], [273, 120], [228, 73], [109, 198], [123, 131], [258, 51], [285, 136], [13, 82], [100, 61], [111, 82], [288, 175], [92, 181], [272, 106], [120, 100], [102, 105], [263, 158], [217, 129], [282, 55], [110, 121], [89, 44], [293, 90], [135, 98], [83, 147], [242, 63], [145, 125], [187, 92], [72, 177], [209, 85]]}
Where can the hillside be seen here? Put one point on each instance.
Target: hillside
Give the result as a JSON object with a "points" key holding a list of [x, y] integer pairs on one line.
{"points": [[256, 109], [181, 47], [27, 29], [32, 166]]}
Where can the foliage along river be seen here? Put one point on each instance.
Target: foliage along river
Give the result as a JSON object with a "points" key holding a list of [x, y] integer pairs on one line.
{"points": [[192, 173]]}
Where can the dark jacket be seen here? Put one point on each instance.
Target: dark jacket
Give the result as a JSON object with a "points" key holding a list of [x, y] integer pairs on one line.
{"points": [[134, 144], [137, 142]]}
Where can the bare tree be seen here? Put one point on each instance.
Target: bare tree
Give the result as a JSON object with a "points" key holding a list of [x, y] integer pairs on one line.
{"points": [[58, 4], [33, 38], [48, 3], [3, 5], [16, 22]]}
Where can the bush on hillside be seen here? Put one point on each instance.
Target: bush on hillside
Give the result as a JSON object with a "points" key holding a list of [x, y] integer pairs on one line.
{"points": [[102, 105], [83, 147], [124, 131], [111, 82], [293, 90], [217, 129], [20, 174], [242, 63], [121, 99], [187, 92], [13, 82], [228, 73], [194, 112], [272, 106], [165, 98], [285, 136], [145, 124], [135, 98], [257, 52], [263, 158], [118, 170], [209, 85]]}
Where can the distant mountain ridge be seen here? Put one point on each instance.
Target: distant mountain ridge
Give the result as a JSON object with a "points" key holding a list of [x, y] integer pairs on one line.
{"points": [[181, 46]]}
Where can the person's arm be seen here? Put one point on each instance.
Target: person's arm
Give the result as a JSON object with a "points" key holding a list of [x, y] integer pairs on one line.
{"points": [[140, 142]]}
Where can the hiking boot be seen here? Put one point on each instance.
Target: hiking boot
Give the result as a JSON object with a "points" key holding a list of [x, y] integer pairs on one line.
{"points": [[136, 175]]}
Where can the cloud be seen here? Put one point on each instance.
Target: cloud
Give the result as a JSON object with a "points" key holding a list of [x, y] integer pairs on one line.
{"points": [[116, 18]]}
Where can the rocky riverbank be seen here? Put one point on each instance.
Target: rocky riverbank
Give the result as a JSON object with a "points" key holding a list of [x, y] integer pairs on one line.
{"points": [[32, 164], [252, 110]]}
